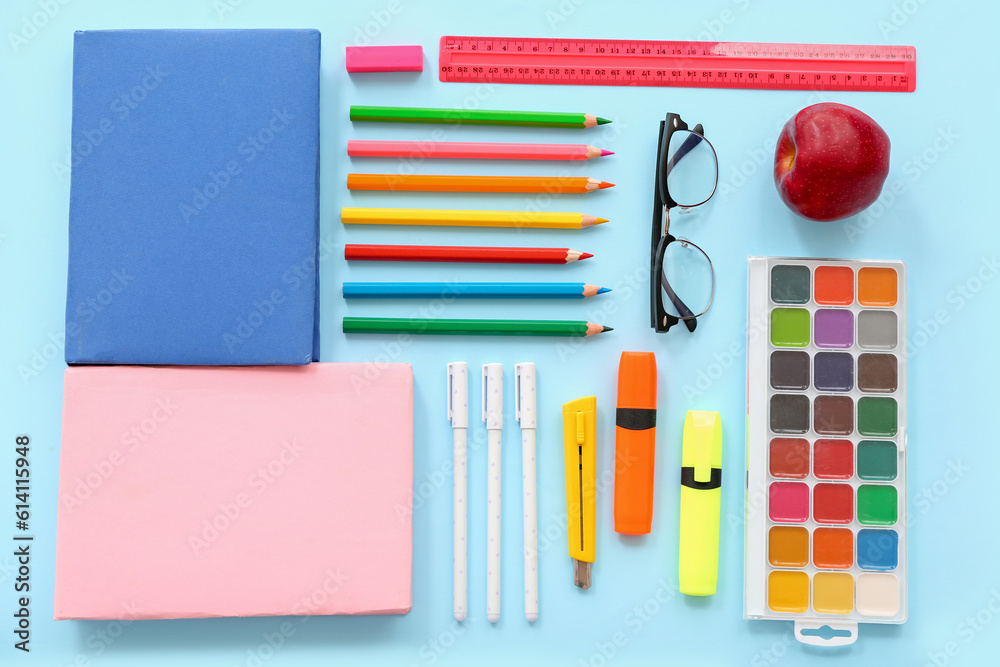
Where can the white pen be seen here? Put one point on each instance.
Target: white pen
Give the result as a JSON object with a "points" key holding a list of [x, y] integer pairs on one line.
{"points": [[458, 413], [525, 402], [493, 416]]}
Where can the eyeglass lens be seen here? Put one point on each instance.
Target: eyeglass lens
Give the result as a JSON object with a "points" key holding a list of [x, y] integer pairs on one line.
{"points": [[686, 282], [692, 168]]}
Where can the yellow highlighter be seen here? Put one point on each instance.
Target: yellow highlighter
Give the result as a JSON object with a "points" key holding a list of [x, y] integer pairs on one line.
{"points": [[580, 450], [701, 502]]}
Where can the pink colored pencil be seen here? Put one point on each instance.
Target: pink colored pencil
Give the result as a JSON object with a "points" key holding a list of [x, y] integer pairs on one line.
{"points": [[481, 151]]}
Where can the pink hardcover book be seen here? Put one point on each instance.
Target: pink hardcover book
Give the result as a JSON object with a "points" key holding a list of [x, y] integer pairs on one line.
{"points": [[190, 492]]}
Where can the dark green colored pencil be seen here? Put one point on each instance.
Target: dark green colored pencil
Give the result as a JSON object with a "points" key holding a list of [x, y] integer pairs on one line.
{"points": [[475, 117], [463, 327]]}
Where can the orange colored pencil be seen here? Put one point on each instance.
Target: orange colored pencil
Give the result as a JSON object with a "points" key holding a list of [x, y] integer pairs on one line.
{"points": [[555, 185]]}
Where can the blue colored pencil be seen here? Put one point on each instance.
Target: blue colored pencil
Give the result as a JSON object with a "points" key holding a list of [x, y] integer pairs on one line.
{"points": [[471, 290]]}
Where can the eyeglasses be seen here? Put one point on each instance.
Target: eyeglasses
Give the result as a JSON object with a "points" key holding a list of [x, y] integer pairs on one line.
{"points": [[682, 279]]}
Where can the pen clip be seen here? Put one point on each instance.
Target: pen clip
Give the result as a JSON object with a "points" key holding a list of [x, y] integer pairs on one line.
{"points": [[458, 394], [517, 392], [485, 391], [451, 408]]}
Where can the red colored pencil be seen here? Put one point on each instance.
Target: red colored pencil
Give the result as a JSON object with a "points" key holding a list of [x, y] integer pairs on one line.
{"points": [[424, 253]]}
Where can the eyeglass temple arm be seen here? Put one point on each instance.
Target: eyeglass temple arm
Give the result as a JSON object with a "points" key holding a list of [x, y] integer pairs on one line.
{"points": [[694, 138], [687, 315]]}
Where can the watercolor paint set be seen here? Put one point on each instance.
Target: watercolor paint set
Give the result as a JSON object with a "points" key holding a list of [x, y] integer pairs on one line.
{"points": [[826, 445]]}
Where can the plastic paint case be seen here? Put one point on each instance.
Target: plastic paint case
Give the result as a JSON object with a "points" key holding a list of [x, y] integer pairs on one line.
{"points": [[825, 542]]}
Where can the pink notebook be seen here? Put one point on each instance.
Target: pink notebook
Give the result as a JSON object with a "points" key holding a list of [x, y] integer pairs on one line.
{"points": [[253, 491]]}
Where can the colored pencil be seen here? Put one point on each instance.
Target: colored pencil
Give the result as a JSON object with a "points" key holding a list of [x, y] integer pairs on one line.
{"points": [[471, 290], [467, 149], [444, 253], [417, 325], [459, 218], [556, 185], [474, 117]]}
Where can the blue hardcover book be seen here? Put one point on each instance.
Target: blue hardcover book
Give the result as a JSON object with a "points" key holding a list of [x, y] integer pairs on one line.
{"points": [[194, 205]]}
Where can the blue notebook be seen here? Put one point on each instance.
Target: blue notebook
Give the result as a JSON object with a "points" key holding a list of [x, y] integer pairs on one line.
{"points": [[194, 204]]}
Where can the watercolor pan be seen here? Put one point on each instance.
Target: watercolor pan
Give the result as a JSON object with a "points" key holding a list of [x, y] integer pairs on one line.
{"points": [[826, 445]]}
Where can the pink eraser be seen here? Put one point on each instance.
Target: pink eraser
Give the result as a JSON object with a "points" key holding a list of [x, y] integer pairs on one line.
{"points": [[385, 59]]}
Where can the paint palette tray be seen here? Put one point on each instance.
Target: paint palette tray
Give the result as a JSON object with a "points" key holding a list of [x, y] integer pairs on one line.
{"points": [[826, 445]]}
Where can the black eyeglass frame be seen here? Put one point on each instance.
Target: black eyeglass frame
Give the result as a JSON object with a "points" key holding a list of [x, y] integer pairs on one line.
{"points": [[660, 320]]}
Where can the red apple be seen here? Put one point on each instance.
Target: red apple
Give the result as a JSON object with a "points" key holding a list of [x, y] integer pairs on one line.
{"points": [[830, 162]]}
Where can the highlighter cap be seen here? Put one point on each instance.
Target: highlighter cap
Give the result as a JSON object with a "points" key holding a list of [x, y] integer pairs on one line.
{"points": [[702, 443], [637, 380]]}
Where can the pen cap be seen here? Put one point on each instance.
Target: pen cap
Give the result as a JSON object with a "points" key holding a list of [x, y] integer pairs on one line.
{"points": [[637, 380], [525, 399], [458, 394], [702, 449], [493, 395]]}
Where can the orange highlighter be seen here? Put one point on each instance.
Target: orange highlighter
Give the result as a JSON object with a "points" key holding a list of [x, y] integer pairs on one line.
{"points": [[635, 443]]}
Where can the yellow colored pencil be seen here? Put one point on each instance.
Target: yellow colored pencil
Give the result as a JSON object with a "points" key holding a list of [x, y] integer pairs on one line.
{"points": [[459, 218]]}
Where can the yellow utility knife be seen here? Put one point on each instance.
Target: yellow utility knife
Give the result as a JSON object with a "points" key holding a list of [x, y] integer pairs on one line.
{"points": [[580, 450]]}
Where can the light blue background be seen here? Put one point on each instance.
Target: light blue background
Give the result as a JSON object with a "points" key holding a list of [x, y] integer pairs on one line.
{"points": [[943, 223]]}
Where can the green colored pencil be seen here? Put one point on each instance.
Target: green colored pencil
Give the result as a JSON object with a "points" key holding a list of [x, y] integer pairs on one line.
{"points": [[475, 117], [417, 325]]}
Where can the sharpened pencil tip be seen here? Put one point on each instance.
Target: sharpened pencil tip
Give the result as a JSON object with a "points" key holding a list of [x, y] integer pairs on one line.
{"points": [[601, 221], [586, 255], [605, 184], [606, 152], [607, 329], [602, 121], [603, 290]]}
